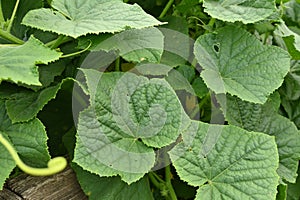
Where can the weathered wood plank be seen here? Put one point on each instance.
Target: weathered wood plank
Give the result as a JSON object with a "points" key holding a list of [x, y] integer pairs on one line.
{"points": [[62, 186]]}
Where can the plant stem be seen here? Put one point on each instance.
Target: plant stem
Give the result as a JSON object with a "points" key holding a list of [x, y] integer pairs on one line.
{"points": [[57, 42], [153, 180], [6, 35], [200, 105], [11, 21], [2, 20], [76, 53], [64, 40], [55, 165], [165, 10], [117, 64], [168, 175], [210, 24]]}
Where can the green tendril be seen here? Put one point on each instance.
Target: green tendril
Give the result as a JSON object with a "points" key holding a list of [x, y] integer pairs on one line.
{"points": [[55, 165]]}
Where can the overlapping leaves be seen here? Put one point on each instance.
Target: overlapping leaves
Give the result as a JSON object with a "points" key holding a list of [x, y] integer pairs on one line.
{"points": [[19, 65], [130, 116], [264, 118], [29, 139]]}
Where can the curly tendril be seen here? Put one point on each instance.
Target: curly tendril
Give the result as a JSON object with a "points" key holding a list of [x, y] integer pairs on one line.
{"points": [[55, 165]]}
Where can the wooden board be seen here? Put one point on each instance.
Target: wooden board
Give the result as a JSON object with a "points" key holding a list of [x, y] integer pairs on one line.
{"points": [[62, 186]]}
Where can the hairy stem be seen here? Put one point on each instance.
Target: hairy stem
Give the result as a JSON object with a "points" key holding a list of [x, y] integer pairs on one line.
{"points": [[168, 176], [11, 21], [55, 165], [6, 35], [165, 10]]}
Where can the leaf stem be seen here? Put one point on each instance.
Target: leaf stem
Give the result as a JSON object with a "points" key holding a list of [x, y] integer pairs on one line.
{"points": [[55, 165], [11, 21], [154, 180], [117, 64], [165, 10], [168, 176], [64, 40], [210, 24], [77, 53], [57, 42], [6, 35]]}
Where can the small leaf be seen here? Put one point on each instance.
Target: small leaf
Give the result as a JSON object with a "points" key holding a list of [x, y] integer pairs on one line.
{"points": [[291, 39], [19, 66], [134, 45], [29, 139], [246, 11], [227, 162], [25, 105], [80, 17], [235, 62]]}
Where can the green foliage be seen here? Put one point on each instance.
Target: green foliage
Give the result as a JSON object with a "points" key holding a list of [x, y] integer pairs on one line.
{"points": [[146, 91]]}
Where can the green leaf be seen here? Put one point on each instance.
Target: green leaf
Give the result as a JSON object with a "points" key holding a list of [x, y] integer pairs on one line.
{"points": [[25, 105], [199, 87], [227, 162], [97, 153], [29, 139], [264, 118], [291, 39], [246, 11], [131, 116], [139, 107], [292, 12], [108, 188], [19, 65], [180, 81], [134, 45], [177, 43], [290, 89], [80, 17], [235, 62]]}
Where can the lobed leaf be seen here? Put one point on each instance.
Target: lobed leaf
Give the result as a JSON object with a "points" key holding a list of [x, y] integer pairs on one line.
{"points": [[246, 11], [264, 118], [24, 105], [79, 17], [134, 45], [235, 62], [130, 116], [227, 162], [19, 66]]}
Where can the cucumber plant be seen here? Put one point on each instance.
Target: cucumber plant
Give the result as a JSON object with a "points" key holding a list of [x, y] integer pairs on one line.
{"points": [[178, 99]]}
